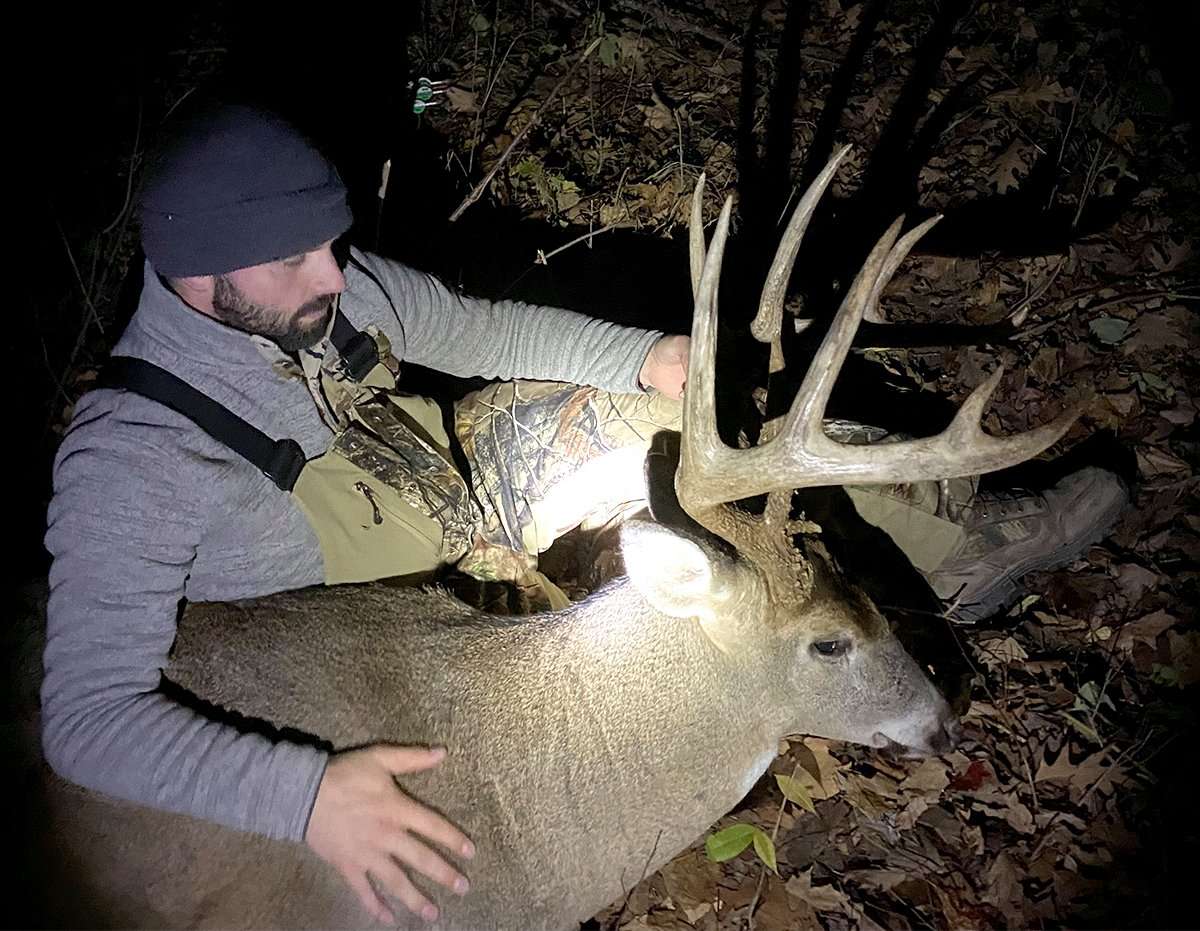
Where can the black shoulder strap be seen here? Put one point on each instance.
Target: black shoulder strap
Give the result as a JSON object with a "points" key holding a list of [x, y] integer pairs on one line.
{"points": [[358, 351], [280, 460]]}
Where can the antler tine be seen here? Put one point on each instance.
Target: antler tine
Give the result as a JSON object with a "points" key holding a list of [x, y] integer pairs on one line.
{"points": [[808, 407], [802, 455], [700, 438], [961, 449], [703, 458], [769, 320], [965, 429], [696, 236]]}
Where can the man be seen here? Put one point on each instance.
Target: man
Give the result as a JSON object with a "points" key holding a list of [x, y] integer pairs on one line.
{"points": [[249, 438]]}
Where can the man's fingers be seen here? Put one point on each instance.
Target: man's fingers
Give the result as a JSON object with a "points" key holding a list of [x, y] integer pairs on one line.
{"points": [[412, 853], [396, 881], [371, 902], [430, 824], [408, 759], [417, 817]]}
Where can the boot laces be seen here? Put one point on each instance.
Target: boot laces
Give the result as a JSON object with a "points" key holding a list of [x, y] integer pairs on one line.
{"points": [[1005, 501]]}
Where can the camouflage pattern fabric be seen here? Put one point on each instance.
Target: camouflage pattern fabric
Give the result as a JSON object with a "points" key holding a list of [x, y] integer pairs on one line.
{"points": [[385, 441], [546, 457]]}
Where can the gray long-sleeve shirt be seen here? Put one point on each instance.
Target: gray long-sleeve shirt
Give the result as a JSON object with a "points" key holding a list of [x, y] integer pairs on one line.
{"points": [[148, 510]]}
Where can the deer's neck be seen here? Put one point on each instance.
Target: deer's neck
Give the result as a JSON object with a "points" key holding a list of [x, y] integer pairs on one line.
{"points": [[676, 728]]}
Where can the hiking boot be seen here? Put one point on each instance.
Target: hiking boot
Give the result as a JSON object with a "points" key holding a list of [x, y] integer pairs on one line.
{"points": [[1009, 534]]}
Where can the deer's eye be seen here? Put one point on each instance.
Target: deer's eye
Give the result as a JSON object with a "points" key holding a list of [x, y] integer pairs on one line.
{"points": [[830, 649]]}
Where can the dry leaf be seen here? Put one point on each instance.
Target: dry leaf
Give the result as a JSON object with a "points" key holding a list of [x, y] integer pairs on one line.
{"points": [[1082, 775], [1044, 366], [929, 778], [1155, 331], [1004, 889], [1185, 656], [691, 879], [877, 880], [1124, 403], [1034, 92], [658, 115], [869, 794], [461, 100], [821, 898], [972, 776], [1012, 162], [818, 771], [1124, 131], [1169, 256], [1182, 414], [1153, 462], [1000, 652], [1134, 581], [1003, 804]]}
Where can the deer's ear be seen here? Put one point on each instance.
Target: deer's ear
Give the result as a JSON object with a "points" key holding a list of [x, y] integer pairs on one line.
{"points": [[673, 573]]}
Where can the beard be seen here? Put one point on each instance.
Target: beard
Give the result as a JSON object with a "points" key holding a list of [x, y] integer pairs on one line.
{"points": [[292, 332]]}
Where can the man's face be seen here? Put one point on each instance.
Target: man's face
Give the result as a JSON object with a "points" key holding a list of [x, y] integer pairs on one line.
{"points": [[289, 300]]}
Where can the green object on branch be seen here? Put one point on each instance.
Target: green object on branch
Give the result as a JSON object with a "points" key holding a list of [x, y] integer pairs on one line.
{"points": [[765, 848], [728, 843]]}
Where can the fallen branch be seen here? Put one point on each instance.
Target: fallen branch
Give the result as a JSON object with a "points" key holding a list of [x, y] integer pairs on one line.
{"points": [[543, 258], [477, 191]]}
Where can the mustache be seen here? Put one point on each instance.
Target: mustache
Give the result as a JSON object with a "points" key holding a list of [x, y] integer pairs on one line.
{"points": [[323, 303]]}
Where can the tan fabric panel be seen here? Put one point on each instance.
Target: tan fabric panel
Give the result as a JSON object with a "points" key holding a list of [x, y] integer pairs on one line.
{"points": [[926, 539], [366, 530]]}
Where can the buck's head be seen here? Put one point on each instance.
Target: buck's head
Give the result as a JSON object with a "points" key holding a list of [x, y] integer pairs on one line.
{"points": [[827, 652], [815, 650]]}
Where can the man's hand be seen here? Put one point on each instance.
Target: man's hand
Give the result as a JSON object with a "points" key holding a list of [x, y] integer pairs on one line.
{"points": [[363, 824], [666, 365]]}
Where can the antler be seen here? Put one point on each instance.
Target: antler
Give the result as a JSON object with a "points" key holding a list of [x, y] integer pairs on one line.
{"points": [[711, 474]]}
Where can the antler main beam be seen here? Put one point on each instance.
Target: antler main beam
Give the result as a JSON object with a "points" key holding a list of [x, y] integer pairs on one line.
{"points": [[802, 455]]}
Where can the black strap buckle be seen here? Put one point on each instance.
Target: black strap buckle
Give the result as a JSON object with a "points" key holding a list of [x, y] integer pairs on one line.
{"points": [[357, 349], [285, 463]]}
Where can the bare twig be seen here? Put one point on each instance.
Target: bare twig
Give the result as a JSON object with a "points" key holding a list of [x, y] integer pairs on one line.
{"points": [[762, 876], [679, 129], [543, 258], [92, 316], [1093, 172], [566, 7], [645, 869], [494, 71], [477, 191], [1021, 311]]}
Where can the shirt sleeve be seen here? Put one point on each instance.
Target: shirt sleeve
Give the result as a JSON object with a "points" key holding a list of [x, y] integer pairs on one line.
{"points": [[124, 525], [450, 332]]}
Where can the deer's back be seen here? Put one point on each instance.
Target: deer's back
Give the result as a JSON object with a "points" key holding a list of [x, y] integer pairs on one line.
{"points": [[354, 666]]}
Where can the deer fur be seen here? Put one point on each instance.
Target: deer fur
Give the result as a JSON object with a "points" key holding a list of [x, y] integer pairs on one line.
{"points": [[586, 746]]}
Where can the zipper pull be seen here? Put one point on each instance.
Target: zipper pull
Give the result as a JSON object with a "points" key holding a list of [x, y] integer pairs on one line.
{"points": [[370, 496]]}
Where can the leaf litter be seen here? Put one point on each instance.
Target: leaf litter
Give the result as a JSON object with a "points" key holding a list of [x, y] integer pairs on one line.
{"points": [[1053, 809]]}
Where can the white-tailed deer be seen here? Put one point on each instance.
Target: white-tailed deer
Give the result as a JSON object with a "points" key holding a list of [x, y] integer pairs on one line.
{"points": [[589, 745]]}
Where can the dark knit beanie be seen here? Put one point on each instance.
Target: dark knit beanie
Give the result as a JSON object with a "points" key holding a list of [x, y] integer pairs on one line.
{"points": [[238, 187]]}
